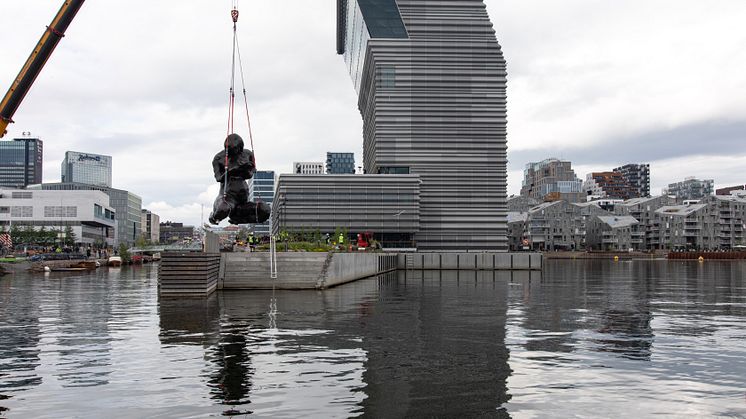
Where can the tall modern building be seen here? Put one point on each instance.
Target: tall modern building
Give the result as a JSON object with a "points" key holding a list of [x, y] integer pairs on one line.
{"points": [[552, 180], [88, 168], [128, 207], [262, 188], [690, 188], [611, 185], [340, 163], [638, 176], [431, 83], [21, 162]]}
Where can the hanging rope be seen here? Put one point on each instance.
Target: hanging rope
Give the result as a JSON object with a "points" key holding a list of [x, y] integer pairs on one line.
{"points": [[236, 53]]}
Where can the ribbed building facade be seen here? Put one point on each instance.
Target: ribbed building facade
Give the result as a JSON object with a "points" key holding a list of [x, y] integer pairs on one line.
{"points": [[431, 80], [387, 206]]}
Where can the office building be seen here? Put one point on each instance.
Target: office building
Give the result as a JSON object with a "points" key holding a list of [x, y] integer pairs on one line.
{"points": [[87, 213], [308, 168], [610, 185], [175, 232], [638, 177], [431, 81], [691, 189], [127, 205], [88, 168], [340, 163], [386, 205], [21, 162], [262, 189], [552, 180], [151, 226]]}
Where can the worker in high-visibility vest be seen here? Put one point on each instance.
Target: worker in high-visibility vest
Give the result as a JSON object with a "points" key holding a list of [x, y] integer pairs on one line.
{"points": [[341, 240]]}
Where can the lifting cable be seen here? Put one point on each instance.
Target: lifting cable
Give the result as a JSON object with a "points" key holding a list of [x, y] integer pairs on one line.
{"points": [[232, 94]]}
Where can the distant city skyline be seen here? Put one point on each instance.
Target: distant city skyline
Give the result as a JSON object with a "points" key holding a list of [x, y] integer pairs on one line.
{"points": [[601, 85]]}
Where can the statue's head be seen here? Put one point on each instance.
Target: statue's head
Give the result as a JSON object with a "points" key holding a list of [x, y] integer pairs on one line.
{"points": [[234, 144]]}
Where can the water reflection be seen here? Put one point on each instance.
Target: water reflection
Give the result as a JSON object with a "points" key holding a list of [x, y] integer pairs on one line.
{"points": [[585, 339], [595, 330]]}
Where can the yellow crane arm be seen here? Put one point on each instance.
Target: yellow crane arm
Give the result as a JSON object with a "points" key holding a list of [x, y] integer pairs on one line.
{"points": [[35, 62]]}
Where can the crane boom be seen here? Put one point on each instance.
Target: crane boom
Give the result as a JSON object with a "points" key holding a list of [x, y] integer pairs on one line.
{"points": [[35, 62]]}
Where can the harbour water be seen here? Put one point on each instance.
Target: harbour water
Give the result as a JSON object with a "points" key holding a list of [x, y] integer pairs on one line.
{"points": [[582, 339]]}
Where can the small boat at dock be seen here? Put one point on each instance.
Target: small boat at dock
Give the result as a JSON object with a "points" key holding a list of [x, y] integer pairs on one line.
{"points": [[115, 261]]}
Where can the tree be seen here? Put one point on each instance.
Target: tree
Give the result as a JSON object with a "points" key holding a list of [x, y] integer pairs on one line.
{"points": [[124, 253], [142, 241], [69, 237]]}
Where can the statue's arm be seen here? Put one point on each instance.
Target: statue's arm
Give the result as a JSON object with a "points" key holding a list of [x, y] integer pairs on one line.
{"points": [[218, 167]]}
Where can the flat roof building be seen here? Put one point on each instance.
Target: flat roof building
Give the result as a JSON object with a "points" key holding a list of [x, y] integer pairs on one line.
{"points": [[308, 168], [340, 163], [262, 188], [21, 162], [88, 168], [386, 205], [690, 188], [431, 83], [638, 177], [127, 205], [151, 226], [88, 213]]}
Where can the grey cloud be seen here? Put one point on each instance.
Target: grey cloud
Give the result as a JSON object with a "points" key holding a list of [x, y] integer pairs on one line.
{"points": [[715, 138]]}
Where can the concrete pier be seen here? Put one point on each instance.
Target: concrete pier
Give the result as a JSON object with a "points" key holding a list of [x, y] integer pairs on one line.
{"points": [[188, 274], [301, 270], [471, 261]]}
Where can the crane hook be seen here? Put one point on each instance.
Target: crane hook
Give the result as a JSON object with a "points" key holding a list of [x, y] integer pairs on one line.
{"points": [[234, 15]]}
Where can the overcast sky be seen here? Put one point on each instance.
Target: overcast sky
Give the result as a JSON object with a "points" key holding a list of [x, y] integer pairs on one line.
{"points": [[596, 82]]}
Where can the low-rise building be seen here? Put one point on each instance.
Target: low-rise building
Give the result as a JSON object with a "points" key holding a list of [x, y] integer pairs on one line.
{"points": [[128, 206], [386, 205], [517, 225], [614, 233], [550, 226], [308, 168], [728, 215], [644, 210], [87, 213], [685, 227], [175, 232]]}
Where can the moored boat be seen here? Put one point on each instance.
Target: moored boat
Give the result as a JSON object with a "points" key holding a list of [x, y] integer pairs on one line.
{"points": [[115, 261]]}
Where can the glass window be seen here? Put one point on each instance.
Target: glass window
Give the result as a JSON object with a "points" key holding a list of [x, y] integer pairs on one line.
{"points": [[382, 18]]}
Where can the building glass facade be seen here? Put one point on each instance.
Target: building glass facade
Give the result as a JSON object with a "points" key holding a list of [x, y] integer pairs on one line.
{"points": [[340, 163], [91, 169], [262, 188], [431, 82], [21, 162]]}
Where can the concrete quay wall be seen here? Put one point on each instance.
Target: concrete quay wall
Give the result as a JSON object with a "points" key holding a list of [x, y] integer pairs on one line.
{"points": [[471, 261], [301, 270]]}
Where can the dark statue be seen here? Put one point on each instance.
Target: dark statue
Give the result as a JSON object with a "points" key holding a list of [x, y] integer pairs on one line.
{"points": [[233, 201]]}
